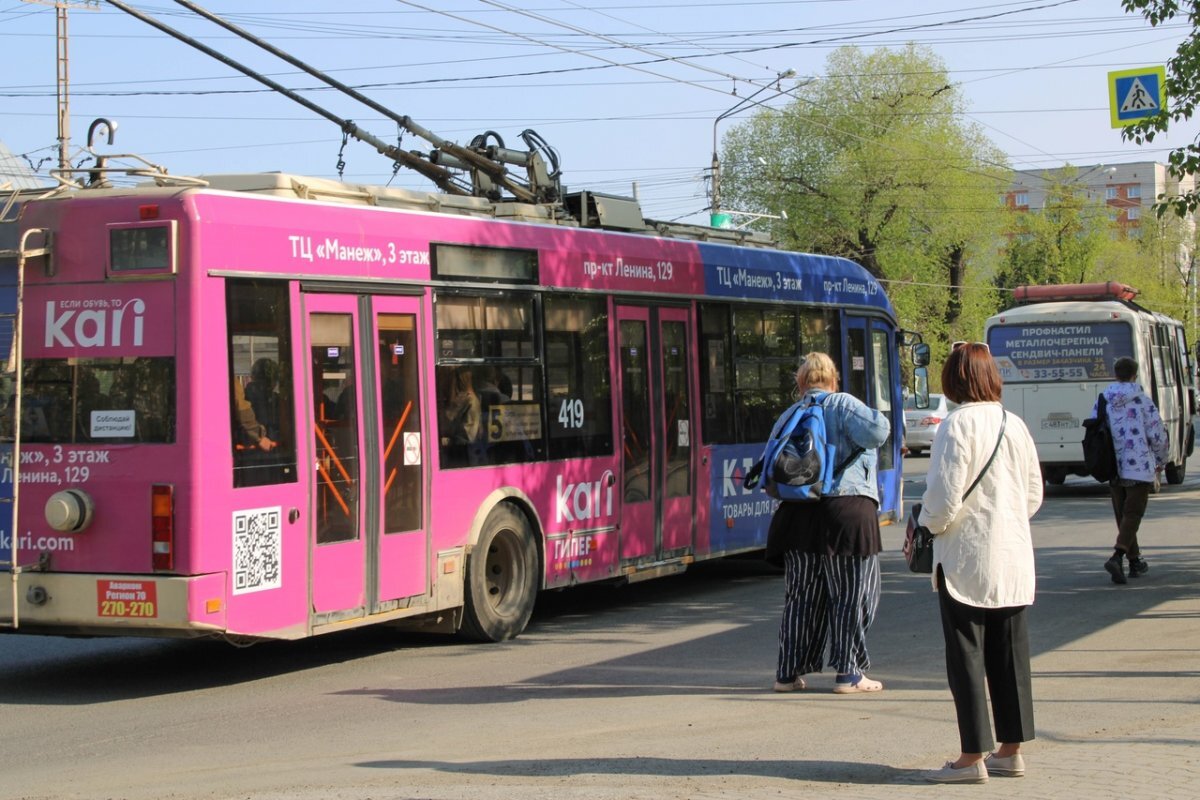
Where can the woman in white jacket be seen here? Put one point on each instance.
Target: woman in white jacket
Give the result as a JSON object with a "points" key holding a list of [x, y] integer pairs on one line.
{"points": [[983, 564]]}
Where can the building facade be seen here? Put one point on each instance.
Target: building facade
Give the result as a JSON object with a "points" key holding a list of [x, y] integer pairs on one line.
{"points": [[1128, 191]]}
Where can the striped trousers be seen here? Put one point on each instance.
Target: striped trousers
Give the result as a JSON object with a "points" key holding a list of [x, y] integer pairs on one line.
{"points": [[829, 601]]}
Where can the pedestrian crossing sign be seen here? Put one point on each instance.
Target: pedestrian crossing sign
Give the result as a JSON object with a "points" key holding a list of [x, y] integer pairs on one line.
{"points": [[1134, 94]]}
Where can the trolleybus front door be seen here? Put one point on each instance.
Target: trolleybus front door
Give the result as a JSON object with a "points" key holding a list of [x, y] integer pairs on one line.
{"points": [[335, 474], [657, 433], [868, 374]]}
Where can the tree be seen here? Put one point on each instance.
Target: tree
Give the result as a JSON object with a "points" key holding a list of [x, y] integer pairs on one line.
{"points": [[1183, 93], [873, 162], [1060, 242]]}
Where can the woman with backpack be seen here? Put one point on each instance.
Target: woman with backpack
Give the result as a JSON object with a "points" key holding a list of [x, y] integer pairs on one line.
{"points": [[983, 485], [830, 548]]}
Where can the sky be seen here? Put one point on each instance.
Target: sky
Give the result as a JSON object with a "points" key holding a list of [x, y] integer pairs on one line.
{"points": [[627, 93]]}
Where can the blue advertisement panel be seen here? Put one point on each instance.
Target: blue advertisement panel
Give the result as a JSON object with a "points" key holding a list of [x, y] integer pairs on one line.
{"points": [[1059, 351], [740, 517], [799, 277]]}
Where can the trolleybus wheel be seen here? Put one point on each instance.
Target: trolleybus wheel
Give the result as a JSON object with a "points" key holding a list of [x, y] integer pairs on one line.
{"points": [[502, 578], [1176, 472]]}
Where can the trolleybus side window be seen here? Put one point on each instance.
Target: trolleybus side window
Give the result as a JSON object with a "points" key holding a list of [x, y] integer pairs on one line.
{"points": [[260, 380], [757, 350], [716, 375], [578, 390], [489, 380], [766, 342]]}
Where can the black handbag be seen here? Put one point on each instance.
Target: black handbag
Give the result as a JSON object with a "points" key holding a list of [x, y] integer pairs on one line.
{"points": [[918, 540], [918, 543]]}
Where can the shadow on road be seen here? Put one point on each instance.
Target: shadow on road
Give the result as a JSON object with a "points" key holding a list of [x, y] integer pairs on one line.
{"points": [[794, 769], [742, 597]]}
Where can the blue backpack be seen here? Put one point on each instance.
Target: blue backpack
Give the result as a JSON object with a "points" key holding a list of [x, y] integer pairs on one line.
{"points": [[797, 465]]}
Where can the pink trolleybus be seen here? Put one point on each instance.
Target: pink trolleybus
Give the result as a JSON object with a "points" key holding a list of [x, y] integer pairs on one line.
{"points": [[266, 406]]}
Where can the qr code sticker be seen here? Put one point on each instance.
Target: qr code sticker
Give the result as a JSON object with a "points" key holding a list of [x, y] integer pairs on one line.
{"points": [[257, 550]]}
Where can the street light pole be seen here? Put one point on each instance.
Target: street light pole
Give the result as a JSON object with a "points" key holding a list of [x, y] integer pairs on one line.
{"points": [[717, 219], [63, 80]]}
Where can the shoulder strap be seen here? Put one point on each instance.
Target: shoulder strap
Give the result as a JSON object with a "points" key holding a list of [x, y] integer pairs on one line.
{"points": [[999, 439], [854, 453]]}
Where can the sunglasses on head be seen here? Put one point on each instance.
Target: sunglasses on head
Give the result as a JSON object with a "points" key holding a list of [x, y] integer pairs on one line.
{"points": [[957, 345]]}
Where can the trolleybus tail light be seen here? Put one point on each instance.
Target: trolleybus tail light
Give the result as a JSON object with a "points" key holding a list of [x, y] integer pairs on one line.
{"points": [[148, 212], [162, 520]]}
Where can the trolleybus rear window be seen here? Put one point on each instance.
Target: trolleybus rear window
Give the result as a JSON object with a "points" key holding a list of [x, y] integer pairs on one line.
{"points": [[103, 400]]}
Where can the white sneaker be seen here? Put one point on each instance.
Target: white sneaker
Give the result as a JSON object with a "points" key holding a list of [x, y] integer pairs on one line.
{"points": [[794, 685], [972, 773], [1011, 767]]}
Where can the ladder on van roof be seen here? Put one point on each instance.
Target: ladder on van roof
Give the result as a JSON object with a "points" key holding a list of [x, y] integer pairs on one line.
{"points": [[10, 403]]}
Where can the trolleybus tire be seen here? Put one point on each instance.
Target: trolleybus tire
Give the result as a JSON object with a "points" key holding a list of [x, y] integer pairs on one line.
{"points": [[502, 578], [1176, 472]]}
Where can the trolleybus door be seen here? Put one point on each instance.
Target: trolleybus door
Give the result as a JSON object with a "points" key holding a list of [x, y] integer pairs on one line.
{"points": [[398, 555], [657, 433], [867, 373], [335, 475]]}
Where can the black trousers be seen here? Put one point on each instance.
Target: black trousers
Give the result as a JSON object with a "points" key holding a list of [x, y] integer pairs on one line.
{"points": [[992, 645], [1129, 506]]}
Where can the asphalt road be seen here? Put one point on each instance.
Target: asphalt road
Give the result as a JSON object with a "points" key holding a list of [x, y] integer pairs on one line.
{"points": [[657, 690]]}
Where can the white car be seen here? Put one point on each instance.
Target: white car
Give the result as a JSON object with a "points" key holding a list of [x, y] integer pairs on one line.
{"points": [[920, 424]]}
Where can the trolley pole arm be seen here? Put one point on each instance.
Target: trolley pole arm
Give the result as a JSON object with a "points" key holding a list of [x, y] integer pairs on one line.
{"points": [[487, 165], [441, 177]]}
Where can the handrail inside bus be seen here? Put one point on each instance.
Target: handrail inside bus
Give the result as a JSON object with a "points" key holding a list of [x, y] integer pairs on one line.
{"points": [[391, 443], [332, 486], [399, 427], [332, 453]]}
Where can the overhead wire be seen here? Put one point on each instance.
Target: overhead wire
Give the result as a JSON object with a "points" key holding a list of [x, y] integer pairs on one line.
{"points": [[1024, 8]]}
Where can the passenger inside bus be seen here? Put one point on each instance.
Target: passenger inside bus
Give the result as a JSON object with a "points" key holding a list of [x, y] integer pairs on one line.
{"points": [[263, 395], [248, 428], [463, 414]]}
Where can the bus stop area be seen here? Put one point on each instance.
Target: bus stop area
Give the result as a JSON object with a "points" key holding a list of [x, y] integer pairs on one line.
{"points": [[688, 713]]}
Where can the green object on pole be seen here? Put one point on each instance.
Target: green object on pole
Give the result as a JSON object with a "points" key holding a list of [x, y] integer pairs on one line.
{"points": [[719, 220]]}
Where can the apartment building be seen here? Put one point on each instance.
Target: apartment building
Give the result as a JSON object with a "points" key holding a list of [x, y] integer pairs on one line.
{"points": [[1129, 190]]}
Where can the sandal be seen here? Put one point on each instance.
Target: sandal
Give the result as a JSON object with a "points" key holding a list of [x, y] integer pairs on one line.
{"points": [[856, 684]]}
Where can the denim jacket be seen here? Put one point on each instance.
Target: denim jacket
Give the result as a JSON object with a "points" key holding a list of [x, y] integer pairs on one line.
{"points": [[852, 424]]}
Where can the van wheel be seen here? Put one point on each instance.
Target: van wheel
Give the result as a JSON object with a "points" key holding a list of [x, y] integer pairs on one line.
{"points": [[1176, 472], [502, 578]]}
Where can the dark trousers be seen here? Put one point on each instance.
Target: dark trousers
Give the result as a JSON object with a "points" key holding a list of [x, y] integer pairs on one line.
{"points": [[1129, 506], [828, 600], [992, 645]]}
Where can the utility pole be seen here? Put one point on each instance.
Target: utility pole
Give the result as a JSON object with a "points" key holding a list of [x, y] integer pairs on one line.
{"points": [[63, 79]]}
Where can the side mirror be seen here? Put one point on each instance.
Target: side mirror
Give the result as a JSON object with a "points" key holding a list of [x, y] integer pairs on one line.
{"points": [[920, 355], [921, 387]]}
